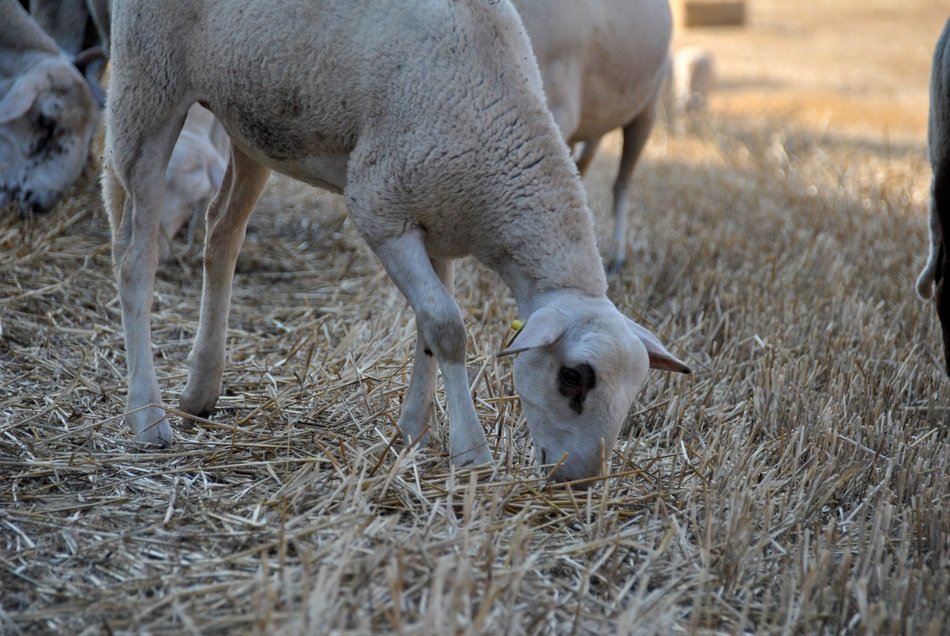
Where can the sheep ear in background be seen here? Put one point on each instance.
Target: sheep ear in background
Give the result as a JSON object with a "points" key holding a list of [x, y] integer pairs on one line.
{"points": [[544, 328], [660, 358], [16, 102], [91, 63]]}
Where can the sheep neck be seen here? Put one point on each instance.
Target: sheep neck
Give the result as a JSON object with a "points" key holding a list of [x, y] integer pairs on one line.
{"points": [[552, 250]]}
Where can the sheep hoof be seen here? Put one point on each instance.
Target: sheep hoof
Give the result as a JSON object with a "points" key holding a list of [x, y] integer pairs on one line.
{"points": [[197, 402], [480, 456], [615, 266], [152, 428]]}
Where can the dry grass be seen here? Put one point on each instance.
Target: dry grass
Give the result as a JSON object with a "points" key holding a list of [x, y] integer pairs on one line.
{"points": [[796, 483]]}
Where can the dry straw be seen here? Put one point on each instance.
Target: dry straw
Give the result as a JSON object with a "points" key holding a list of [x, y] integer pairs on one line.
{"points": [[796, 483]]}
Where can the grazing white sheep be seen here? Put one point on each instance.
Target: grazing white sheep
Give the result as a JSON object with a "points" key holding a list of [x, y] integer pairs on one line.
{"points": [[48, 114], [429, 117], [194, 174], [938, 137], [603, 63]]}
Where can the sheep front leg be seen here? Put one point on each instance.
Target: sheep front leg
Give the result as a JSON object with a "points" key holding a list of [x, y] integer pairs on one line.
{"points": [[244, 180], [439, 323], [417, 404]]}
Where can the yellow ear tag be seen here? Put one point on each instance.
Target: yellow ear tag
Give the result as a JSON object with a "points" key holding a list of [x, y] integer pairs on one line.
{"points": [[516, 324]]}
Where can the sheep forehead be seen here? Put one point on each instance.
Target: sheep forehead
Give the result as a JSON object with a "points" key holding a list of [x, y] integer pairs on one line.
{"points": [[58, 72], [601, 343]]}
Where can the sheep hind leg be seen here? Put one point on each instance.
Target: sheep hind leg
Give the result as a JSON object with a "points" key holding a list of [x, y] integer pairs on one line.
{"points": [[133, 198], [635, 136], [417, 405], [587, 155], [227, 217], [442, 329]]}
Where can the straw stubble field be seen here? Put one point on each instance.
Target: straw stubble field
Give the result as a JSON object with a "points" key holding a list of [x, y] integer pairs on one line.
{"points": [[797, 482]]}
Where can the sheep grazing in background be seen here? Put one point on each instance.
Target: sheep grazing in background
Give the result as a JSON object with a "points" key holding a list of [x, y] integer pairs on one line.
{"points": [[693, 71], [603, 63], [429, 118], [196, 167], [937, 268], [194, 174], [48, 114]]}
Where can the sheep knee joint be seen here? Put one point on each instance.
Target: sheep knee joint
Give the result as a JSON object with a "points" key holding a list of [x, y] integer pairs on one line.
{"points": [[444, 332]]}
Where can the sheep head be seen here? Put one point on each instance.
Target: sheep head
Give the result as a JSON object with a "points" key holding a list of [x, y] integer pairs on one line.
{"points": [[47, 121], [580, 366]]}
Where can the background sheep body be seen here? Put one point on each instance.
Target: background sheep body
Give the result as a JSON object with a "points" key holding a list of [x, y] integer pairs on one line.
{"points": [[603, 63], [193, 176]]}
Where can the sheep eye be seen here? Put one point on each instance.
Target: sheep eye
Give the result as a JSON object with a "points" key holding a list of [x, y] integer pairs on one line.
{"points": [[45, 134], [569, 378], [575, 383]]}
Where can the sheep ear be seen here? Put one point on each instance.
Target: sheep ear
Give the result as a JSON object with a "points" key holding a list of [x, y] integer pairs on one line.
{"points": [[91, 63], [660, 358], [16, 102], [543, 328]]}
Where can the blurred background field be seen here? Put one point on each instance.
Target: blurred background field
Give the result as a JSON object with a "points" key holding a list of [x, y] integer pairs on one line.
{"points": [[842, 65], [797, 482]]}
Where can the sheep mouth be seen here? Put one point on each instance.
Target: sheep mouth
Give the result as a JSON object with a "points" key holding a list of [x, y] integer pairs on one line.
{"points": [[555, 471]]}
